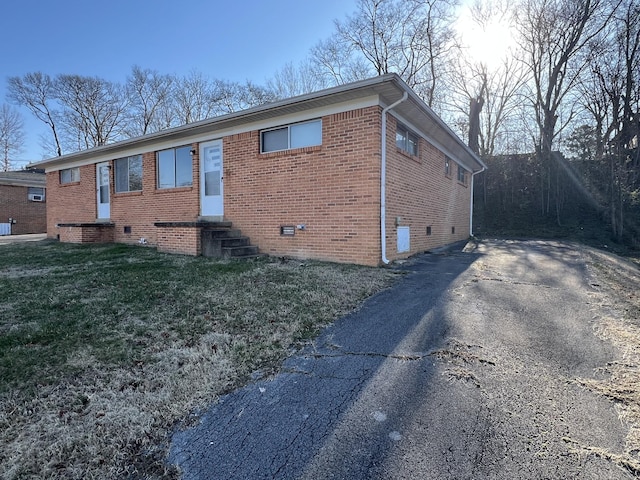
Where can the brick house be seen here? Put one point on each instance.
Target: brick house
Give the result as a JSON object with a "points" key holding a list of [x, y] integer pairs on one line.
{"points": [[302, 177], [22, 203]]}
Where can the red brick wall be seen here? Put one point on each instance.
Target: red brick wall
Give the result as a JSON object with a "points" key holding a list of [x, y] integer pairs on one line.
{"points": [[332, 189], [419, 192], [30, 217], [86, 234], [184, 240], [140, 210], [72, 202], [76, 202]]}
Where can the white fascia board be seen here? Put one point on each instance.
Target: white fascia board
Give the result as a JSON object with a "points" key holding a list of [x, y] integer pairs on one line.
{"points": [[216, 133]]}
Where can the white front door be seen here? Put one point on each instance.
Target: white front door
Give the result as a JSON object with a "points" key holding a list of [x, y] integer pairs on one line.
{"points": [[211, 186], [102, 188]]}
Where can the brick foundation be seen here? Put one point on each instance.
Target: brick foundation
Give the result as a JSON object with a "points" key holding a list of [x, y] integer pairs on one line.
{"points": [[179, 237], [86, 232]]}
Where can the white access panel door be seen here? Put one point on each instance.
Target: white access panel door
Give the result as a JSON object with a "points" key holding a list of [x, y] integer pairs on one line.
{"points": [[103, 190], [211, 180], [404, 239]]}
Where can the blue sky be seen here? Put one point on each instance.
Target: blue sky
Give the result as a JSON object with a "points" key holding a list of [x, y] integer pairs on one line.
{"points": [[232, 40]]}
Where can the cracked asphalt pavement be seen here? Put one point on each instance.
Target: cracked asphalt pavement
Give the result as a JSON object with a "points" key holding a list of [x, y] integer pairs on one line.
{"points": [[466, 368]]}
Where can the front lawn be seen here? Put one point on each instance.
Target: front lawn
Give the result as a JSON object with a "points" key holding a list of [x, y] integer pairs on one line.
{"points": [[105, 349]]}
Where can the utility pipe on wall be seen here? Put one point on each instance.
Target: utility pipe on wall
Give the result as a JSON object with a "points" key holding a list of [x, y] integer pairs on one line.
{"points": [[383, 179], [473, 174]]}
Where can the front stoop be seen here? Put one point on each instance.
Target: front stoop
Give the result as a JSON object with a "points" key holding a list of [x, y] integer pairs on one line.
{"points": [[219, 240]]}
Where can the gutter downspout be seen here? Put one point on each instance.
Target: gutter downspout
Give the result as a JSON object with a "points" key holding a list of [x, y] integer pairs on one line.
{"points": [[471, 201], [383, 179]]}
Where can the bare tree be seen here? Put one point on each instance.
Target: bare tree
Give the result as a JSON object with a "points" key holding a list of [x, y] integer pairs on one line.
{"points": [[251, 94], [11, 135], [554, 35], [377, 30], [149, 94], [231, 97], [336, 63], [496, 95], [293, 80], [412, 38], [610, 93], [432, 45], [37, 92], [195, 98], [94, 110]]}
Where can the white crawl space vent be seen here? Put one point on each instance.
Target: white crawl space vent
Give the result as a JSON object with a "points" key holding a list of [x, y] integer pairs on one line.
{"points": [[404, 242]]}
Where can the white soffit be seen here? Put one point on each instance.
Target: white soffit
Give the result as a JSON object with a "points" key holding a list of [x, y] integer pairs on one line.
{"points": [[215, 131]]}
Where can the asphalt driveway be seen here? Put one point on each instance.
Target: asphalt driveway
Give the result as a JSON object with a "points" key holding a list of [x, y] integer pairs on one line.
{"points": [[469, 367]]}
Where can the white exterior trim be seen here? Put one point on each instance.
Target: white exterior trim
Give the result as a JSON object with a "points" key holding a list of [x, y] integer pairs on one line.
{"points": [[216, 133]]}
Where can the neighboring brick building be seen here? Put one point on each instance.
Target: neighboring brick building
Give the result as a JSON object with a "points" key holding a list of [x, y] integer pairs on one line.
{"points": [[22, 203], [302, 177]]}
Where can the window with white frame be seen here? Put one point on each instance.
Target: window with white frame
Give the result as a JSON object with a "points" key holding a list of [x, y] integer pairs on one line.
{"points": [[296, 135], [462, 175], [406, 140], [447, 166], [70, 175], [128, 175], [175, 167]]}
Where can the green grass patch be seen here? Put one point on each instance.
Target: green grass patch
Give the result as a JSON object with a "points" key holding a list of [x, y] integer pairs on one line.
{"points": [[104, 347]]}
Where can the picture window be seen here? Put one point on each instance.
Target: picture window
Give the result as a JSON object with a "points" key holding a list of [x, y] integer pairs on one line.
{"points": [[297, 135], [175, 168], [128, 174], [70, 175]]}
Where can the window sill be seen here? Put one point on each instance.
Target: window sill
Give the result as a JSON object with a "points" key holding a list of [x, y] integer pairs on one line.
{"points": [[135, 193], [465, 185], [406, 154], [69, 184], [292, 151], [173, 190]]}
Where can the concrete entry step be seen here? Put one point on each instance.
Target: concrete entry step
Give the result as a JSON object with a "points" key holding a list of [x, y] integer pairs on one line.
{"points": [[240, 252], [219, 240]]}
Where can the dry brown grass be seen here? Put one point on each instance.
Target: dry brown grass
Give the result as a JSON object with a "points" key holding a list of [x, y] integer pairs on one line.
{"points": [[619, 295], [102, 357]]}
